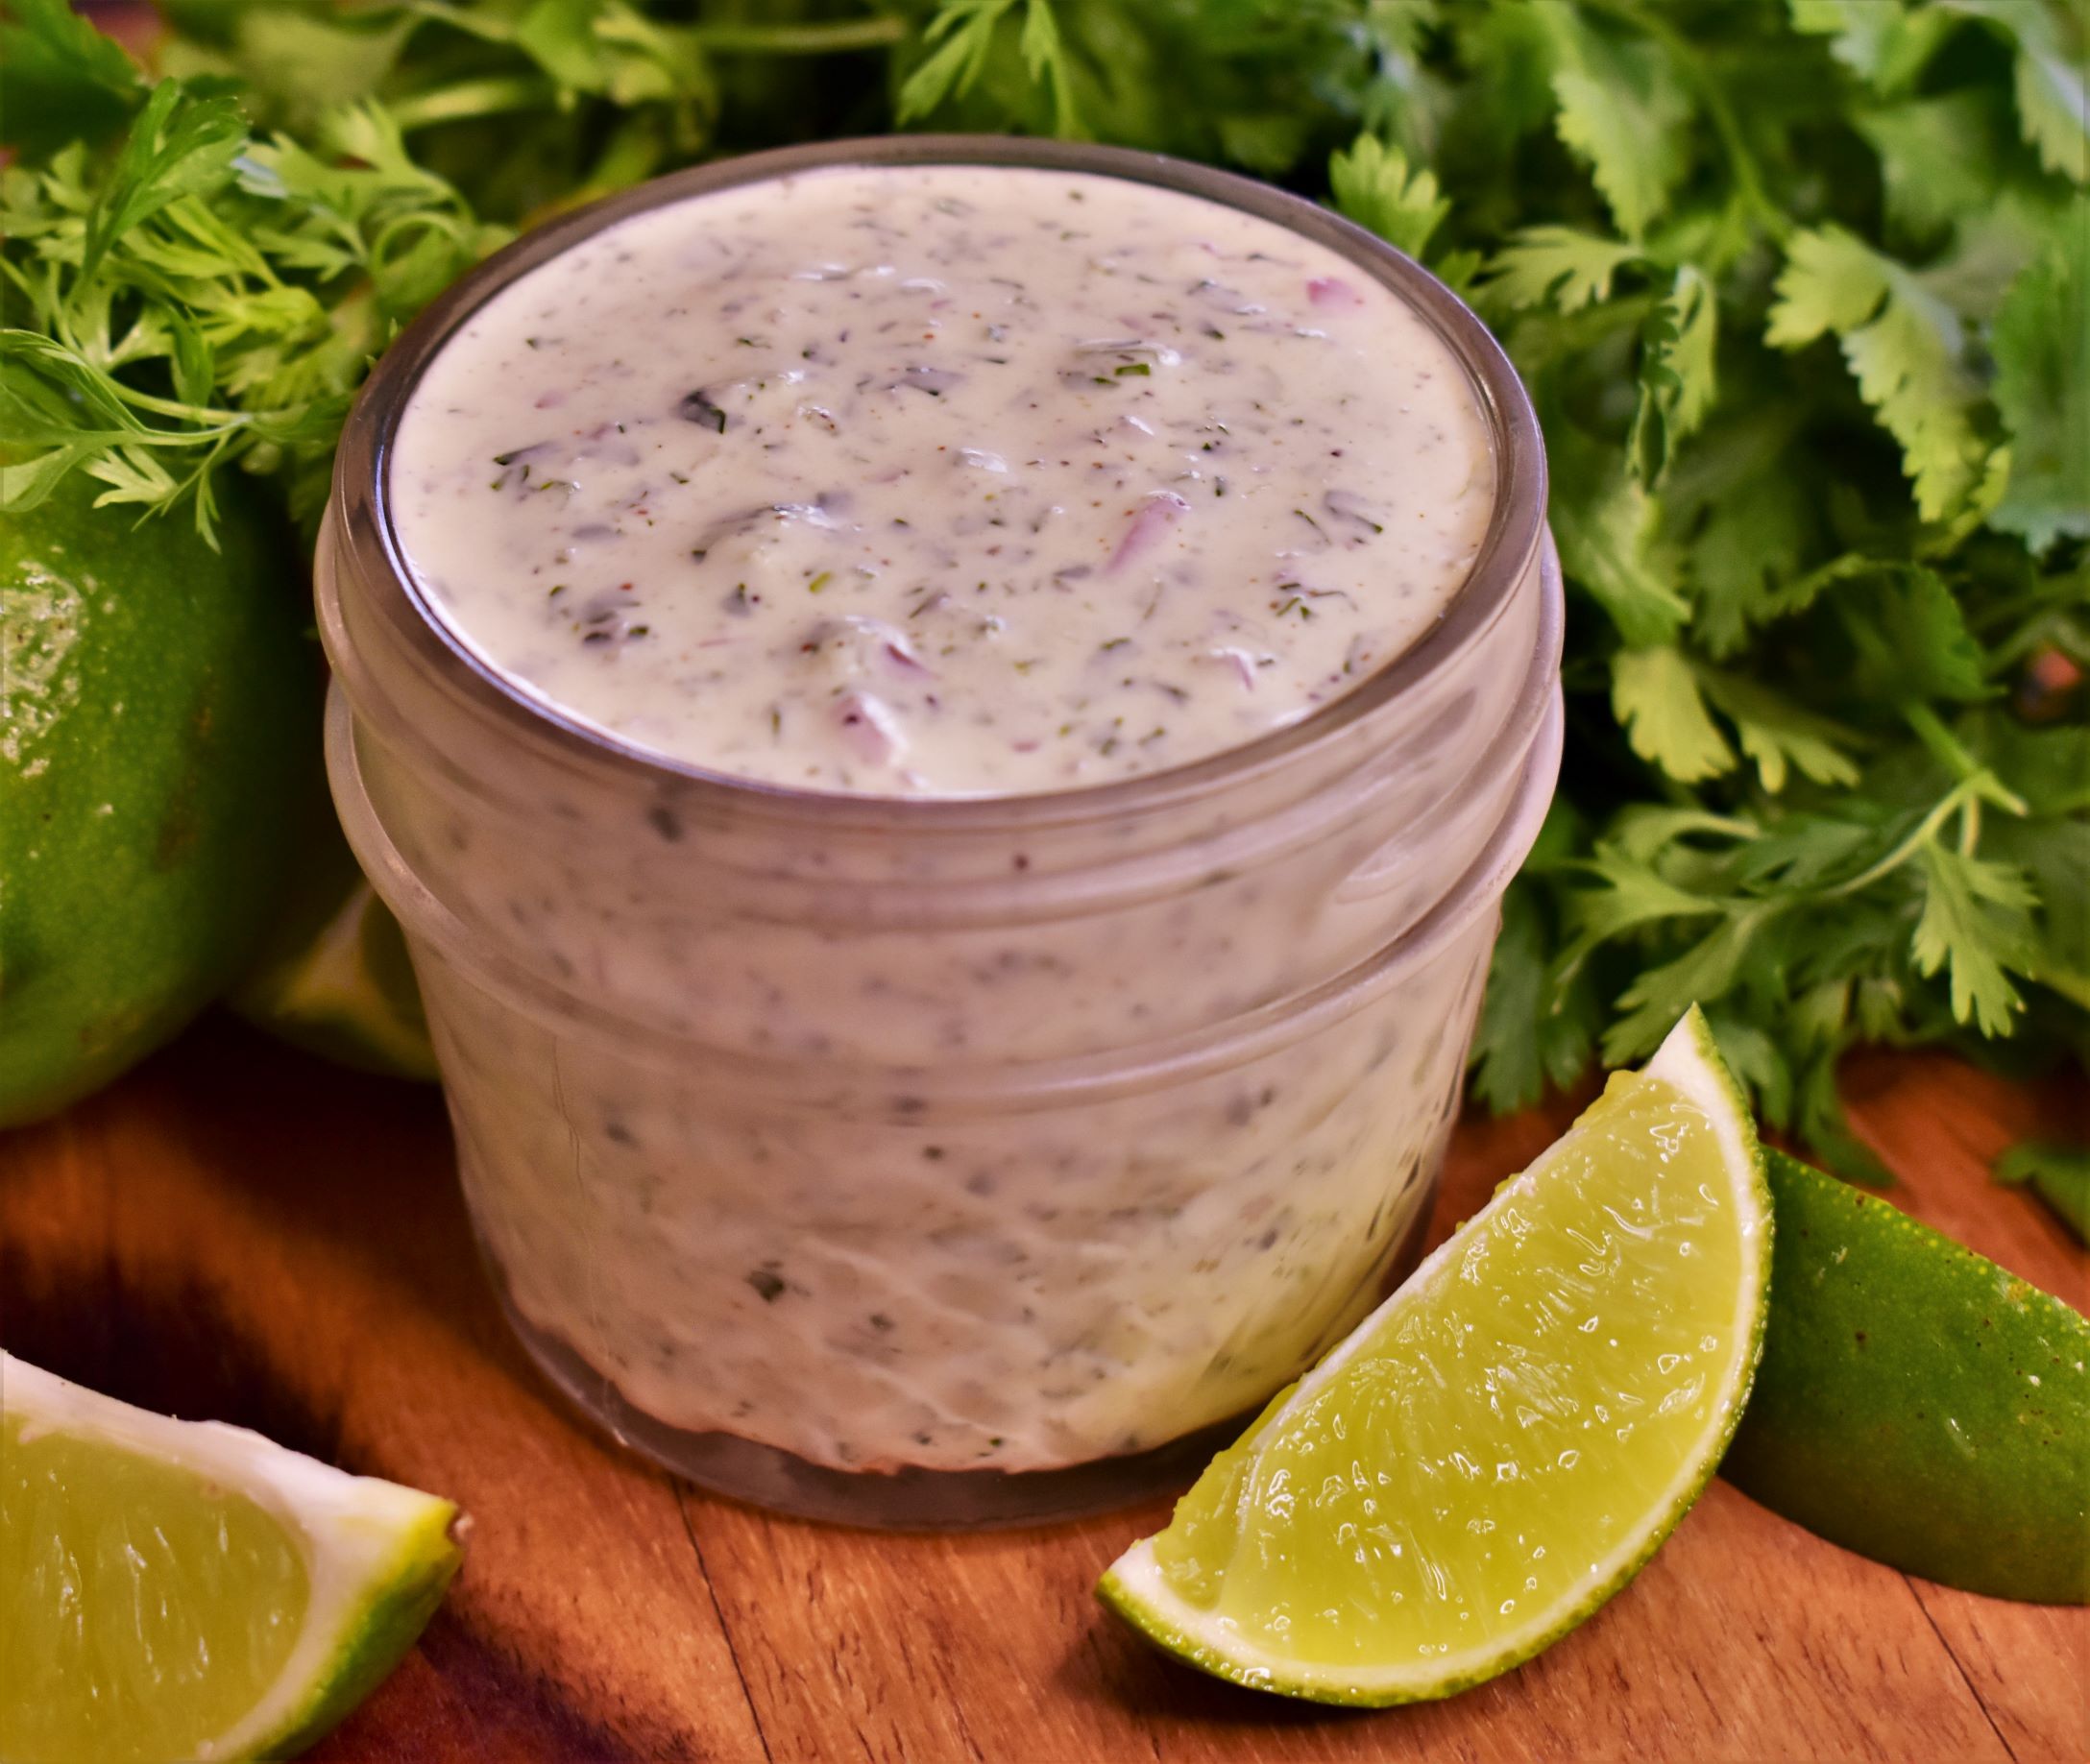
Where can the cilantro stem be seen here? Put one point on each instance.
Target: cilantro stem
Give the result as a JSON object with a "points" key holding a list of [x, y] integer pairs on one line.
{"points": [[1945, 747], [880, 31], [208, 420], [467, 99], [1967, 795], [1925, 831]]}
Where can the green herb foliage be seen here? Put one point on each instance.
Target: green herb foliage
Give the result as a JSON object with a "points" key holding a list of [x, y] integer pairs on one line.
{"points": [[2059, 1177], [203, 297], [1801, 289]]}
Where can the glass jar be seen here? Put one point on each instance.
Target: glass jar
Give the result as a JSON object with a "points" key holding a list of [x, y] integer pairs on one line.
{"points": [[945, 1161]]}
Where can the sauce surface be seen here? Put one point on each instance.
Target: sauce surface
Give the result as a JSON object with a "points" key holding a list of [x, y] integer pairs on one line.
{"points": [[941, 481]]}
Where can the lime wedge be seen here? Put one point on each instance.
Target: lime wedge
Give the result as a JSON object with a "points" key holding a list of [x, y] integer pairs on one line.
{"points": [[341, 985], [1501, 1446], [183, 1589]]}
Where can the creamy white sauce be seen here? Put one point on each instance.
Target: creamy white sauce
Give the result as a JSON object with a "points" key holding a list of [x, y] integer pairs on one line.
{"points": [[945, 479]]}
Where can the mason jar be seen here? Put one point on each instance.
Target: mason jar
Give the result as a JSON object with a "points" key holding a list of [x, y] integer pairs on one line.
{"points": [[944, 1160]]}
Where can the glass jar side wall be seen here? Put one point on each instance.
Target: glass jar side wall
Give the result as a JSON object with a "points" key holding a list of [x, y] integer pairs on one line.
{"points": [[920, 1287]]}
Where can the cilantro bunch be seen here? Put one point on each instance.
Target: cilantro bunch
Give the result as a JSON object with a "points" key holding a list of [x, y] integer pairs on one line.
{"points": [[1801, 289], [1801, 294]]}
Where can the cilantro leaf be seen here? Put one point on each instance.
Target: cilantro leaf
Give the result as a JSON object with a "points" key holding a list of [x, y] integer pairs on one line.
{"points": [[180, 146], [1706, 972], [1623, 111], [1656, 696], [1609, 532], [2049, 79], [1975, 923], [1625, 893], [1260, 83], [205, 299], [1744, 552], [1754, 1056], [1775, 733], [1909, 632], [1535, 1029], [1905, 347], [2041, 344], [961, 40], [60, 79], [1375, 185], [1676, 380], [309, 60], [2059, 1177], [1883, 43], [1556, 266], [2055, 857], [1941, 157], [2053, 109]]}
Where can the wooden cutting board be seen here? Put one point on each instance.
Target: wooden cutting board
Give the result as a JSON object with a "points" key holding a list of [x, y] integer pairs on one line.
{"points": [[238, 1232]]}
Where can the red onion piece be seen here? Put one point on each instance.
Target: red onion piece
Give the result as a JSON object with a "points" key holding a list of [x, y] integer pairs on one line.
{"points": [[903, 657], [868, 728], [1333, 291], [1163, 508]]}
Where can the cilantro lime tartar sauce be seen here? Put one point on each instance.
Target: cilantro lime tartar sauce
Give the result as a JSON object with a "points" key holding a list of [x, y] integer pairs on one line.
{"points": [[1004, 1134], [941, 480]]}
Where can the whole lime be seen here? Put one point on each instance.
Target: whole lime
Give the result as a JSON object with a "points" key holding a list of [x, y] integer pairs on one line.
{"points": [[158, 754]]}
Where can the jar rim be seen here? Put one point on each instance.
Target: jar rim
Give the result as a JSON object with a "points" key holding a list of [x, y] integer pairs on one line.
{"points": [[1512, 535]]}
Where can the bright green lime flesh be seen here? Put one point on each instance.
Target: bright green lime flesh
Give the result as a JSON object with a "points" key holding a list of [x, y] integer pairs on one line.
{"points": [[175, 1603], [176, 1589], [1502, 1444]]}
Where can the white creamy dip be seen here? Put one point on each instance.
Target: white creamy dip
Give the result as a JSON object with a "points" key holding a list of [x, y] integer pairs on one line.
{"points": [[944, 479]]}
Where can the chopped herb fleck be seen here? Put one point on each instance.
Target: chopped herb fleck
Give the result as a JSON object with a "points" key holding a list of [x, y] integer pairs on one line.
{"points": [[695, 408]]}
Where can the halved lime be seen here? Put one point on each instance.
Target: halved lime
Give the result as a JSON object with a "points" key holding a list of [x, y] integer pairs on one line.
{"points": [[183, 1589], [1501, 1446]]}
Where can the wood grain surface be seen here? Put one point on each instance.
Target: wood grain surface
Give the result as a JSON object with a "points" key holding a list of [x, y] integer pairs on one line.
{"points": [[237, 1232]]}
